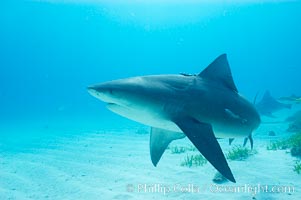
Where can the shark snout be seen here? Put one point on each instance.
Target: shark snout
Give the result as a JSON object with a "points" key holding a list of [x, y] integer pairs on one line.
{"points": [[109, 92], [104, 88], [100, 91], [92, 90], [122, 92]]}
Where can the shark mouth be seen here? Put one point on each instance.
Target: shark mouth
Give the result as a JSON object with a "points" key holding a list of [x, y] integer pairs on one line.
{"points": [[114, 106]]}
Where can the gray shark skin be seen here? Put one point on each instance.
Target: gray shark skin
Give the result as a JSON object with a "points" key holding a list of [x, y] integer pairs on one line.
{"points": [[202, 107], [268, 105]]}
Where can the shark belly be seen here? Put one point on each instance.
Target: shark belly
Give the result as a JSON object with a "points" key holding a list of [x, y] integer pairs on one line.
{"points": [[154, 118], [146, 116]]}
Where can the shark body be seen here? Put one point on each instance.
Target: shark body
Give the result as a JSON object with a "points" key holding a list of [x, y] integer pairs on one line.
{"points": [[202, 107], [268, 105]]}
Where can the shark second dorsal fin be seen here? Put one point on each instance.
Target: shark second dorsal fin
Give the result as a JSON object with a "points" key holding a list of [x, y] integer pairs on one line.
{"points": [[219, 71]]}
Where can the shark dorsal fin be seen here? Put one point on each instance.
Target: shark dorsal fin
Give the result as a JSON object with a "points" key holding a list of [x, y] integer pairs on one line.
{"points": [[219, 71], [267, 96]]}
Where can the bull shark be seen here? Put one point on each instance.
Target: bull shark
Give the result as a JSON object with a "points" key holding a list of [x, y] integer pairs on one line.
{"points": [[202, 107], [268, 105], [293, 98]]}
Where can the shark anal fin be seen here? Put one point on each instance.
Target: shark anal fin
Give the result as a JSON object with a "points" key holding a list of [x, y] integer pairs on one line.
{"points": [[159, 141], [203, 138]]}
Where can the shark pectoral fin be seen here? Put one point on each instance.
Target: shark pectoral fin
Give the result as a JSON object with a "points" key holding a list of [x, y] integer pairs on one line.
{"points": [[203, 138], [159, 141]]}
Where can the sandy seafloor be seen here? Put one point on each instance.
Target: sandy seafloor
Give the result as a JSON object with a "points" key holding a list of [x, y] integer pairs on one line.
{"points": [[113, 162]]}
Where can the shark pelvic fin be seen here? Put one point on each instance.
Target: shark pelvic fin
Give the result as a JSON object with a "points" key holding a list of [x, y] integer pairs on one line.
{"points": [[231, 140], [251, 141], [159, 141], [219, 71], [203, 138]]}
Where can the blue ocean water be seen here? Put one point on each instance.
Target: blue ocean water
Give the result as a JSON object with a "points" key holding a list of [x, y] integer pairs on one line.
{"points": [[51, 50]]}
